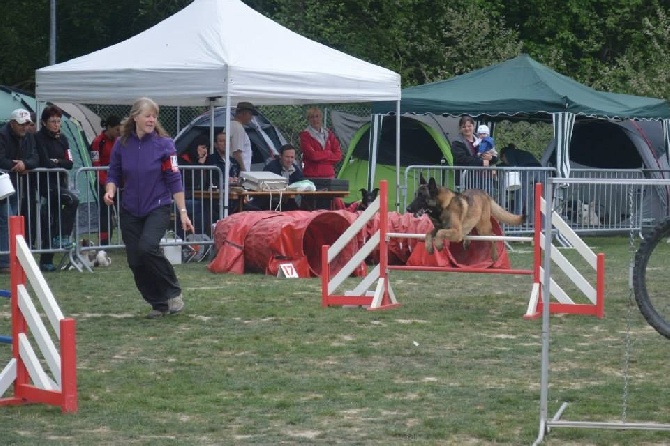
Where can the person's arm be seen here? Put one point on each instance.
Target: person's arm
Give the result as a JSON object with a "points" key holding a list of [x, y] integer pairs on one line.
{"points": [[462, 156], [311, 149], [297, 175], [5, 163], [31, 159], [334, 148], [113, 174], [236, 143], [237, 155], [66, 160], [180, 202]]}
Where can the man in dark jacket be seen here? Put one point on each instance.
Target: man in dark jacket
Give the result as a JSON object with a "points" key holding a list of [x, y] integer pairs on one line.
{"points": [[286, 167], [17, 156]]}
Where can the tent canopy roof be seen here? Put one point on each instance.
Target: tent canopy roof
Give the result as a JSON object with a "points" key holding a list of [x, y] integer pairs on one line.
{"points": [[522, 86], [213, 48]]}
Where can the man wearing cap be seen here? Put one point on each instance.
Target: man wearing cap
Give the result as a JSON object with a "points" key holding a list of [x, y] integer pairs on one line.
{"points": [[18, 155], [240, 144]]}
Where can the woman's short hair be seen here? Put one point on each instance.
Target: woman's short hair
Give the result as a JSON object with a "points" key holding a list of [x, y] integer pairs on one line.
{"points": [[312, 110], [51, 111]]}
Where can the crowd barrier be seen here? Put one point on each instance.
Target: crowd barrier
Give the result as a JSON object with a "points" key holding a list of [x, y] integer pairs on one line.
{"points": [[45, 216], [588, 208]]}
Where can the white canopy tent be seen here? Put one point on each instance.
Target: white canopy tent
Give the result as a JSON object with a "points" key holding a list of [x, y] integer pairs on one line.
{"points": [[216, 52]]}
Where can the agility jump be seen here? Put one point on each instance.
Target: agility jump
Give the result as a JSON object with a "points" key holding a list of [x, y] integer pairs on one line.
{"points": [[383, 296], [32, 384]]}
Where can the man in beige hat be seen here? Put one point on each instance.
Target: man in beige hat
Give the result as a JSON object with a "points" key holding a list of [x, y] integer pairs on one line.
{"points": [[240, 144], [18, 155]]}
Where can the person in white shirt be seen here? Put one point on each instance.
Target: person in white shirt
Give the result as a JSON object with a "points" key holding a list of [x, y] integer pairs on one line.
{"points": [[240, 144]]}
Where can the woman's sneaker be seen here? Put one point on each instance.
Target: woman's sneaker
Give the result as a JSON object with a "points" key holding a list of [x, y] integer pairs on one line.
{"points": [[154, 314], [175, 304]]}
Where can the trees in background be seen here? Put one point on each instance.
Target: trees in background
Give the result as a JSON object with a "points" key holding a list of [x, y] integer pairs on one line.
{"points": [[615, 45]]}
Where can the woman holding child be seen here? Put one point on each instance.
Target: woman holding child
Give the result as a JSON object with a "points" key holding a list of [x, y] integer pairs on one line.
{"points": [[465, 152]]}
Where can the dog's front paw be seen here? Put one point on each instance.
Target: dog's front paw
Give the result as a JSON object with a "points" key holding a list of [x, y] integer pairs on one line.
{"points": [[439, 244]]}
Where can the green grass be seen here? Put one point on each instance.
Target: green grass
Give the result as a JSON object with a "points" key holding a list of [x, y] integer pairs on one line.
{"points": [[256, 360]]}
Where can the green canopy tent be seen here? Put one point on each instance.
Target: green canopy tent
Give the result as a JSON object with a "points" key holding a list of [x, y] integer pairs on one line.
{"points": [[523, 89]]}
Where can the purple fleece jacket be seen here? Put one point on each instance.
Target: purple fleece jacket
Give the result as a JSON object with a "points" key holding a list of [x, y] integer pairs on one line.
{"points": [[146, 169]]}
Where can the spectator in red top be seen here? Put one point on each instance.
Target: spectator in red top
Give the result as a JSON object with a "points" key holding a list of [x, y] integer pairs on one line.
{"points": [[101, 151], [320, 148]]}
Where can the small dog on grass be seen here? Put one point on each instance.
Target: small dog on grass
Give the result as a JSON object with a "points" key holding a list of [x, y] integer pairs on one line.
{"points": [[93, 258]]}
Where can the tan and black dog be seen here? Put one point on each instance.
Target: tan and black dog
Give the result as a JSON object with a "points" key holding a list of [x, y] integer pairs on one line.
{"points": [[455, 214]]}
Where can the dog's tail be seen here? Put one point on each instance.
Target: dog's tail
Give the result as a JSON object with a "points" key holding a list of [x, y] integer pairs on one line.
{"points": [[502, 215]]}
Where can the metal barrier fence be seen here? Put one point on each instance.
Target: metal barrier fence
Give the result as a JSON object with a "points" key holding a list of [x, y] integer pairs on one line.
{"points": [[588, 208], [72, 222], [595, 208], [204, 209]]}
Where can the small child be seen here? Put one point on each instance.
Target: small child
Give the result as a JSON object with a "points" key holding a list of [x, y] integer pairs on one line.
{"points": [[486, 143]]}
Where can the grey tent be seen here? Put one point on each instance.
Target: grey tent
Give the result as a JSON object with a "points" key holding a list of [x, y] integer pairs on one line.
{"points": [[265, 137], [599, 144]]}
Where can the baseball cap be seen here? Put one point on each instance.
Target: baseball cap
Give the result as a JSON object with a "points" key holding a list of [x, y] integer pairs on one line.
{"points": [[21, 116], [247, 106]]}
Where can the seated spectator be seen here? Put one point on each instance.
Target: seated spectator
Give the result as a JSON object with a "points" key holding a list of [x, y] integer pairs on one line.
{"points": [[218, 158], [197, 180], [61, 208], [196, 155], [285, 166]]}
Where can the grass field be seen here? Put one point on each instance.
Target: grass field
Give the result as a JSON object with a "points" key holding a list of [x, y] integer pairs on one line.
{"points": [[256, 360]]}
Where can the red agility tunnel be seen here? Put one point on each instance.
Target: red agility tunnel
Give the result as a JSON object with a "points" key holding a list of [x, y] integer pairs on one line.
{"points": [[455, 255], [261, 241], [412, 252]]}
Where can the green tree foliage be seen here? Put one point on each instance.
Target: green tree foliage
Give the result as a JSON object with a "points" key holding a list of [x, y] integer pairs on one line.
{"points": [[644, 69], [423, 40], [618, 45]]}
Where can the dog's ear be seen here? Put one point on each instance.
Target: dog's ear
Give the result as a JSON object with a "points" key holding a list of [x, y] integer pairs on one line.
{"points": [[374, 193], [364, 193], [422, 180], [432, 186]]}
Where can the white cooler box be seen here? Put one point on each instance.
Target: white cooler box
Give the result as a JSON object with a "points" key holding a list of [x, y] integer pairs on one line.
{"points": [[173, 251]]}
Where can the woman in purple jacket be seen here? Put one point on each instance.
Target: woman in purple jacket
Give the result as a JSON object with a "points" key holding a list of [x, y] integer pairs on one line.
{"points": [[144, 165]]}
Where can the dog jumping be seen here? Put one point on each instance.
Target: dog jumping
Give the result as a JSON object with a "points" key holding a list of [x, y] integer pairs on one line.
{"points": [[455, 214]]}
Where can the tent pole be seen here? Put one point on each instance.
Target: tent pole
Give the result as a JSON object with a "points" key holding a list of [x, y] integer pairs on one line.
{"points": [[226, 184], [397, 156], [211, 124]]}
